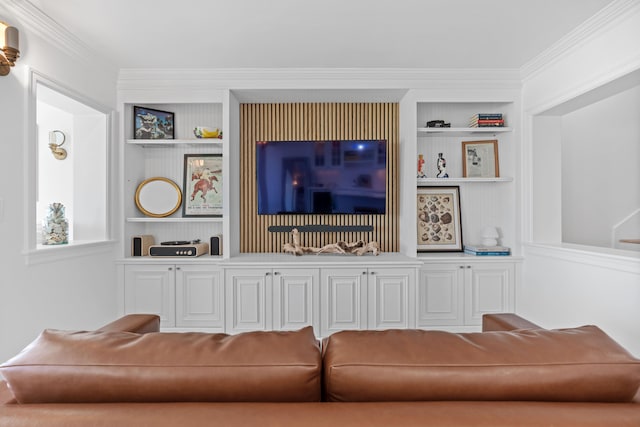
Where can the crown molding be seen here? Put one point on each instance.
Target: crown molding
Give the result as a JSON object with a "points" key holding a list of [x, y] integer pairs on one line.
{"points": [[608, 17], [42, 25], [321, 78]]}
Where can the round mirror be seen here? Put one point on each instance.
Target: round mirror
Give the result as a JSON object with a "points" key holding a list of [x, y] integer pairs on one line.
{"points": [[158, 197]]}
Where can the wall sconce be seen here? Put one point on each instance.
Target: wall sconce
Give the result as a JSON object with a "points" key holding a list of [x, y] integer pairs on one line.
{"points": [[10, 47], [56, 140]]}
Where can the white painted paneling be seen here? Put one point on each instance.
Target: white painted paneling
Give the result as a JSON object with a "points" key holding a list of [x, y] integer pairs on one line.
{"points": [[296, 301], [248, 298], [488, 289], [567, 287], [199, 297], [343, 300], [389, 298], [151, 289], [440, 290]]}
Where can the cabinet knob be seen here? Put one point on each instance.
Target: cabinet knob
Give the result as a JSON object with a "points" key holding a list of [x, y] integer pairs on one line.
{"points": [[372, 273], [177, 268], [468, 266], [364, 272], [462, 266], [268, 273], [276, 273], [170, 268]]}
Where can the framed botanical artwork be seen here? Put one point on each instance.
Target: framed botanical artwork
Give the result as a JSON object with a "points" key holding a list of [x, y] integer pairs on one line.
{"points": [[480, 159], [439, 223], [202, 188], [152, 124]]}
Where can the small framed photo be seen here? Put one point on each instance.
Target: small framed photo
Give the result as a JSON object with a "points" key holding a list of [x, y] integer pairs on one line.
{"points": [[480, 159], [152, 124], [202, 187], [439, 222]]}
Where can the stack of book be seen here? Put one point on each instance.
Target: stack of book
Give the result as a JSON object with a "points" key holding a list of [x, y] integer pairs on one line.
{"points": [[487, 250], [482, 120]]}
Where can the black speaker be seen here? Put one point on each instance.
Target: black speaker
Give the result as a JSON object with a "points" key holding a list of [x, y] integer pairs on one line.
{"points": [[140, 245], [215, 246]]}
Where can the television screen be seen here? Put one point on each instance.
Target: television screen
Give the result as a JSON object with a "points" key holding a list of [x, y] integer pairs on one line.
{"points": [[321, 177]]}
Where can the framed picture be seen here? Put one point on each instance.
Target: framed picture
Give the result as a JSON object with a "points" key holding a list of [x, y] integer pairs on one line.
{"points": [[480, 159], [152, 124], [439, 223], [202, 188]]}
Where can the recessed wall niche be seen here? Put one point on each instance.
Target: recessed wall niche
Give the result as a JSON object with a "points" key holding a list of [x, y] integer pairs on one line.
{"points": [[316, 122]]}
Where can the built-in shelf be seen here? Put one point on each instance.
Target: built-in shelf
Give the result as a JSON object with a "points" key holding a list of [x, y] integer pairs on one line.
{"points": [[193, 142], [462, 131], [446, 181], [174, 219]]}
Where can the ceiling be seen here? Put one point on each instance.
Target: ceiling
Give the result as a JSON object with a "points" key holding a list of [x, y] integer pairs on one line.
{"points": [[485, 34]]}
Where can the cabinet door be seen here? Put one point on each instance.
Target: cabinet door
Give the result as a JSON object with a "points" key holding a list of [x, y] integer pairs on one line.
{"points": [[151, 289], [248, 299], [440, 290], [389, 290], [489, 289], [343, 298], [199, 297], [296, 299]]}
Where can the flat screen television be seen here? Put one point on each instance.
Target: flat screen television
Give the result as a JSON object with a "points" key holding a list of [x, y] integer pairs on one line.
{"points": [[321, 177]]}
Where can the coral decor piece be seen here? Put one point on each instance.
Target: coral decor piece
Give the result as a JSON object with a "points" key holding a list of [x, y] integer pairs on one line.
{"points": [[357, 248], [55, 227]]}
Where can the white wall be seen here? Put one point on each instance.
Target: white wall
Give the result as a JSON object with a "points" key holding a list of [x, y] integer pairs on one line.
{"points": [[600, 168], [71, 293], [565, 284]]}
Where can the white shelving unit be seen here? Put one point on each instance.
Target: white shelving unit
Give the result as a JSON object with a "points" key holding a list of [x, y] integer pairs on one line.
{"points": [[484, 201], [195, 142], [449, 181], [144, 159], [463, 131]]}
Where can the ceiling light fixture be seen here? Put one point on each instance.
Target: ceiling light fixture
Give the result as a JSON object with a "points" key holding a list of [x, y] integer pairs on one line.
{"points": [[9, 46]]}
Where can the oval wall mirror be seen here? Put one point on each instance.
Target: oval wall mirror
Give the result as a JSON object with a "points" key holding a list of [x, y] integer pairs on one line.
{"points": [[158, 197]]}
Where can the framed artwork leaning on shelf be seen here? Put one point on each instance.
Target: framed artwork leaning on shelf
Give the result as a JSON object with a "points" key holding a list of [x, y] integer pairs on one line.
{"points": [[152, 124], [439, 221], [202, 188], [480, 159]]}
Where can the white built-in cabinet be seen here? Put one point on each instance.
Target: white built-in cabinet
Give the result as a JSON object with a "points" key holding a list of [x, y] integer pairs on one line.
{"points": [[457, 293], [366, 298], [238, 292], [265, 298], [183, 295]]}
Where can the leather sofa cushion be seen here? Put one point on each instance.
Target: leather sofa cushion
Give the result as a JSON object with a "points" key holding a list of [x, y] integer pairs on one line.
{"points": [[62, 366], [581, 364]]}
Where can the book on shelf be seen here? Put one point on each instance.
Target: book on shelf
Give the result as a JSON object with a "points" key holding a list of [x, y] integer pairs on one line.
{"points": [[486, 250], [487, 120], [487, 253], [487, 116]]}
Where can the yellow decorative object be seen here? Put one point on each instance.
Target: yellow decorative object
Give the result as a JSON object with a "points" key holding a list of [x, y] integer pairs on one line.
{"points": [[205, 132]]}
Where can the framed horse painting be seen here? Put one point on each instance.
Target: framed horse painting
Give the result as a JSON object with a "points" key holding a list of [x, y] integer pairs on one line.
{"points": [[202, 188]]}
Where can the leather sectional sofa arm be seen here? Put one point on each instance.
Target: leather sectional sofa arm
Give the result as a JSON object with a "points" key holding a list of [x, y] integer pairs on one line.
{"points": [[138, 323], [506, 322]]}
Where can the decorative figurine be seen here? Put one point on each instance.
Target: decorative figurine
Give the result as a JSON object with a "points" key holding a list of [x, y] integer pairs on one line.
{"points": [[442, 167], [421, 173], [55, 227]]}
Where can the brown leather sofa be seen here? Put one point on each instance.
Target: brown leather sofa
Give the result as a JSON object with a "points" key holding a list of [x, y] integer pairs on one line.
{"points": [[513, 374]]}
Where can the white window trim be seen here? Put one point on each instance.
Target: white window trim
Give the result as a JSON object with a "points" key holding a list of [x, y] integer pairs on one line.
{"points": [[34, 253]]}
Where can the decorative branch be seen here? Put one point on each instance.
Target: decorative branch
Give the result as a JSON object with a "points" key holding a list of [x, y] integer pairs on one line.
{"points": [[359, 248]]}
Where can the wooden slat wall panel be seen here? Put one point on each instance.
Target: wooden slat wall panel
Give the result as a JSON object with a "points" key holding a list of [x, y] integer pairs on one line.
{"points": [[315, 121]]}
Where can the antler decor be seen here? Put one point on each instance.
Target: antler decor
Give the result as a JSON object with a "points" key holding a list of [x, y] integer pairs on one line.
{"points": [[358, 248]]}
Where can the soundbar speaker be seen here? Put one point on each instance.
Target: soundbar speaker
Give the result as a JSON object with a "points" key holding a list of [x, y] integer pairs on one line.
{"points": [[215, 245], [140, 245]]}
